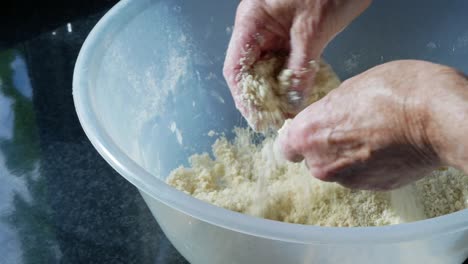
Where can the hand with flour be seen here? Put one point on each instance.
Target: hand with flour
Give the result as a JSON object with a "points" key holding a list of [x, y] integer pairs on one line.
{"points": [[384, 128], [298, 28]]}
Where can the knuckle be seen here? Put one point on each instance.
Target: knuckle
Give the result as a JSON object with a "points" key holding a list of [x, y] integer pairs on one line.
{"points": [[289, 151], [316, 168], [289, 145], [319, 172]]}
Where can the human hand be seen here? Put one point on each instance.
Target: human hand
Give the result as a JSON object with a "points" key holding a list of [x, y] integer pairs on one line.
{"points": [[383, 128], [300, 28]]}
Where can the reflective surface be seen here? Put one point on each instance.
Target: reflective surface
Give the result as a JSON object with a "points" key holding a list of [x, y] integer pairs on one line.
{"points": [[59, 201]]}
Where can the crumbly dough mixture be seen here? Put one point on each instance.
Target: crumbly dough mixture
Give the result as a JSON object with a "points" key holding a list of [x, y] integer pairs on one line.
{"points": [[264, 91], [249, 178]]}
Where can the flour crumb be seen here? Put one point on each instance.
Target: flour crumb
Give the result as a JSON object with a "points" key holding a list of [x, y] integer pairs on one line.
{"points": [[212, 133], [177, 132]]}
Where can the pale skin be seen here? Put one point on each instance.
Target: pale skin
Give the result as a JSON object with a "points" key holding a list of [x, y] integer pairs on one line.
{"points": [[379, 130], [300, 28]]}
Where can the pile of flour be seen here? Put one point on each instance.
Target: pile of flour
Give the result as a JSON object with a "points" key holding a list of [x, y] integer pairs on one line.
{"points": [[245, 177]]}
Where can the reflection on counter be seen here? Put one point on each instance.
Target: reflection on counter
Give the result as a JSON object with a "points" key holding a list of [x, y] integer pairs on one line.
{"points": [[21, 187], [60, 202]]}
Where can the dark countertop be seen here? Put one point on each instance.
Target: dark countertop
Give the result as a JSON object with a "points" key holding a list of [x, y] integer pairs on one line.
{"points": [[60, 202]]}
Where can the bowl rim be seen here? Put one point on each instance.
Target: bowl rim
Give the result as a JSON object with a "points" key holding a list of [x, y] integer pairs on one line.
{"points": [[157, 189]]}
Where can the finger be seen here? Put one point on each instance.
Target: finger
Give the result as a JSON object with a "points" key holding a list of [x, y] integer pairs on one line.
{"points": [[322, 166], [289, 142], [242, 52], [252, 33], [250, 42], [304, 55]]}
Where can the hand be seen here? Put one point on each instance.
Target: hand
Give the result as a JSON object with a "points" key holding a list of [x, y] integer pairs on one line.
{"points": [[300, 28], [383, 128]]}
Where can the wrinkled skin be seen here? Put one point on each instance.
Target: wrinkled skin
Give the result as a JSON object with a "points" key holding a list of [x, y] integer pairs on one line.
{"points": [[300, 28], [384, 128], [379, 130]]}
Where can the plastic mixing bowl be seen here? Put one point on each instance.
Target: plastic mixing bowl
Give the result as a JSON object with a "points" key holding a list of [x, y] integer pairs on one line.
{"points": [[148, 87]]}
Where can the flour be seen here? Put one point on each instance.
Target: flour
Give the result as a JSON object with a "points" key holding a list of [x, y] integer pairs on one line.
{"points": [[406, 204], [444, 191], [247, 178], [266, 95]]}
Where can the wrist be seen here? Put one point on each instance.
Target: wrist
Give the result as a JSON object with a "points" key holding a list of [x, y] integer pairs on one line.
{"points": [[447, 108]]}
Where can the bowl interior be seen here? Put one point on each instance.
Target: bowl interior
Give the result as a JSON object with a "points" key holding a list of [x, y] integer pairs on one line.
{"points": [[157, 84]]}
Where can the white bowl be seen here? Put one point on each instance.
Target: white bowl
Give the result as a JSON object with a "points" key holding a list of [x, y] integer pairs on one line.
{"points": [[148, 87]]}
